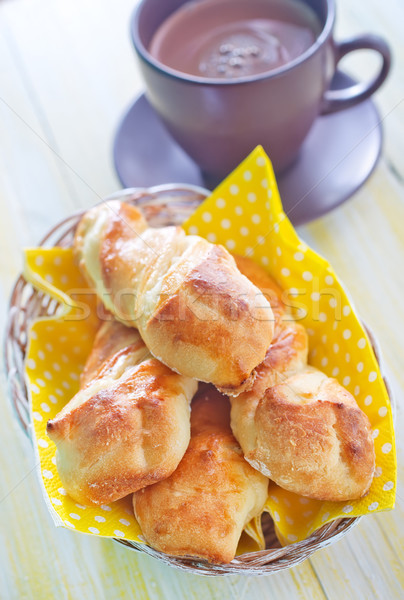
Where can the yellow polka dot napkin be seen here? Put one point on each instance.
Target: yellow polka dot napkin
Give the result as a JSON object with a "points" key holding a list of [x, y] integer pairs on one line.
{"points": [[245, 215]]}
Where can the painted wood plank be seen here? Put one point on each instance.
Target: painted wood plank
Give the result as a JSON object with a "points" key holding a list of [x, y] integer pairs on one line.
{"points": [[82, 86]]}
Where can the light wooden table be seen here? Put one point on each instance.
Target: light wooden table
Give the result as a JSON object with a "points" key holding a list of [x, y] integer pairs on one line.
{"points": [[67, 72]]}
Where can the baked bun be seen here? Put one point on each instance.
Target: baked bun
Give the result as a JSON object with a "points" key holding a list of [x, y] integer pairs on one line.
{"points": [[201, 509], [128, 427], [313, 438], [194, 310]]}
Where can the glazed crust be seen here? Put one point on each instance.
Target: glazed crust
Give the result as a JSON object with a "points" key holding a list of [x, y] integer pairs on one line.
{"points": [[202, 508], [190, 303], [128, 426], [314, 439]]}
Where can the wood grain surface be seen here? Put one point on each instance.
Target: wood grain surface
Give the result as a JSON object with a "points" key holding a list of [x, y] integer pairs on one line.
{"points": [[67, 72]]}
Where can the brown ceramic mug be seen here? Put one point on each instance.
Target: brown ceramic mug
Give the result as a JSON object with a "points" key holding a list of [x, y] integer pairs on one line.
{"points": [[219, 121]]}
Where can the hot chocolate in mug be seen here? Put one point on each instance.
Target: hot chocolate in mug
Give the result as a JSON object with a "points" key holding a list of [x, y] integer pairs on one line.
{"points": [[227, 75]]}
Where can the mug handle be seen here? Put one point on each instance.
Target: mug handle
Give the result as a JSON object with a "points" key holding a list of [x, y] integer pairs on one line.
{"points": [[334, 100]]}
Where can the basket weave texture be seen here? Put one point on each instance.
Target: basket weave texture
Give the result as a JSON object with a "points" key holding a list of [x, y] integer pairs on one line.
{"points": [[163, 205]]}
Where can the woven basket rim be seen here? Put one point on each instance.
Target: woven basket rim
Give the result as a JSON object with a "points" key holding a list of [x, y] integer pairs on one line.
{"points": [[21, 313]]}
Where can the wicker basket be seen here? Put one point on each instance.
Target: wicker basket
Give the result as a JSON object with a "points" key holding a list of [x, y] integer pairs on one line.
{"points": [[162, 205]]}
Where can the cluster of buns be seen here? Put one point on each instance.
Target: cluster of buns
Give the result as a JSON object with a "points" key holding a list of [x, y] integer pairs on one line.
{"points": [[197, 391]]}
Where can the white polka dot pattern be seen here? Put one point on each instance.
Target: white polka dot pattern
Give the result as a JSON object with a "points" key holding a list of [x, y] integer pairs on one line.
{"points": [[94, 530]]}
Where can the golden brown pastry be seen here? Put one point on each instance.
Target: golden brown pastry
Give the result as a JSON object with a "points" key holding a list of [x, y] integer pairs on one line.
{"points": [[128, 426], [201, 509], [194, 310], [314, 440]]}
